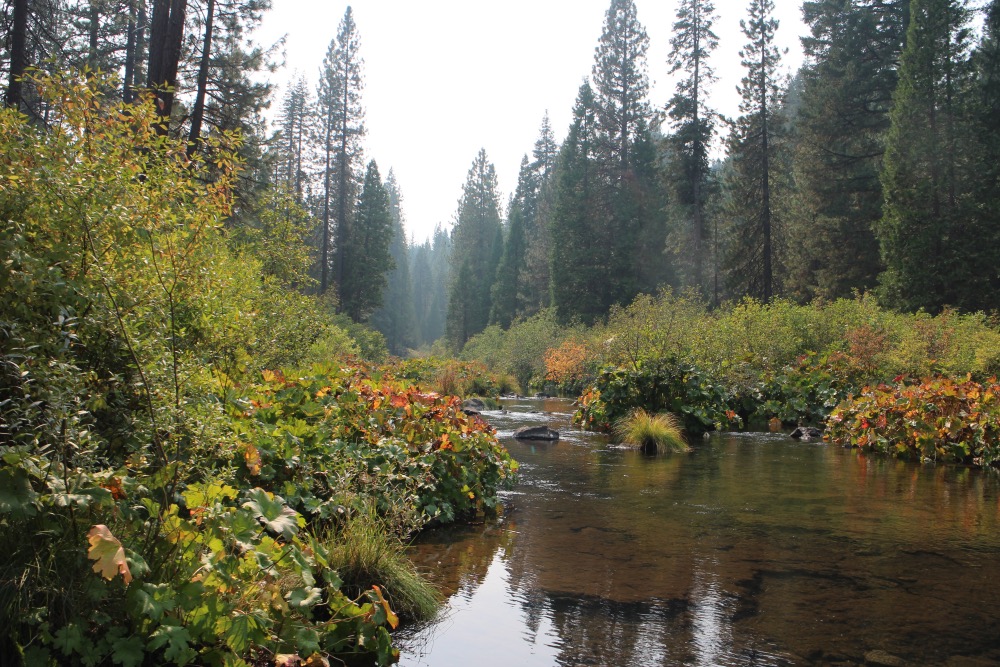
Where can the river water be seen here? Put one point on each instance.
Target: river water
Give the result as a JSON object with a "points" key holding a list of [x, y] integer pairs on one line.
{"points": [[750, 550]]}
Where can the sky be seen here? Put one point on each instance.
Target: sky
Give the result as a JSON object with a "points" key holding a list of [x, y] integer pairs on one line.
{"points": [[444, 78]]}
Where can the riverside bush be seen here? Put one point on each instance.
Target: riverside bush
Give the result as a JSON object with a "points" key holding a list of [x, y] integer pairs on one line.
{"points": [[668, 386], [937, 419], [157, 506]]}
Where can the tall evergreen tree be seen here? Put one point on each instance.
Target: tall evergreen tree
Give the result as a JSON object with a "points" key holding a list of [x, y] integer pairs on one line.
{"points": [[693, 123], [295, 125], [476, 246], [508, 289], [620, 83], [580, 235], [928, 238], [396, 318], [366, 257], [534, 279], [985, 103], [850, 74], [753, 151], [637, 238], [430, 277], [342, 127], [546, 149]]}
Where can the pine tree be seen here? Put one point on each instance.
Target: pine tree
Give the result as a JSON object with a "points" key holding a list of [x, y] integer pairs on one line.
{"points": [[508, 289], [546, 149], [693, 124], [853, 51], [294, 123], [429, 277], [342, 127], [534, 279], [396, 318], [985, 104], [753, 151], [366, 256], [580, 235], [476, 246], [928, 238], [620, 82]]}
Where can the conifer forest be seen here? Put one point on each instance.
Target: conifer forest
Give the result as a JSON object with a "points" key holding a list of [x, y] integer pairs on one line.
{"points": [[232, 375]]}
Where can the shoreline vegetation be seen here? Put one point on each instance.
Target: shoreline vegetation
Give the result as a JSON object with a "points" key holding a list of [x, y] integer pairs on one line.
{"points": [[169, 496], [166, 495]]}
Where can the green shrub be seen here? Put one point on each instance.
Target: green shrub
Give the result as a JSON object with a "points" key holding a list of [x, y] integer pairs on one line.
{"points": [[668, 386]]}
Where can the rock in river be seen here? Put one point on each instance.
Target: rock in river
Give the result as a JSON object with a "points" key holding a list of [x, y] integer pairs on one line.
{"points": [[536, 433], [806, 433]]}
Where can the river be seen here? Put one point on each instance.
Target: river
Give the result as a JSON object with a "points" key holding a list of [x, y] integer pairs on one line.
{"points": [[753, 549]]}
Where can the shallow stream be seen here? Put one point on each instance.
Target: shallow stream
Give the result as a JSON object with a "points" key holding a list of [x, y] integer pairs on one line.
{"points": [[751, 550]]}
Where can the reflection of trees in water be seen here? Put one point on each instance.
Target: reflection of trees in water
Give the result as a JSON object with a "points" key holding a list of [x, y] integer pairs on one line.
{"points": [[457, 559], [747, 551]]}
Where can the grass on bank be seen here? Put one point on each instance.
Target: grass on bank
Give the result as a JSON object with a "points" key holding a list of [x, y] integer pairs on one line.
{"points": [[364, 551], [653, 434]]}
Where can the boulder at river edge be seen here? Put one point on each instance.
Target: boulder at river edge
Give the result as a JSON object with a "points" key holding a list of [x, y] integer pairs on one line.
{"points": [[806, 433], [536, 433]]}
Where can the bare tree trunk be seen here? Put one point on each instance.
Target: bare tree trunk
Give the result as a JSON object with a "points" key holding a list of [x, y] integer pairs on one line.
{"points": [[198, 114], [166, 35], [18, 54]]}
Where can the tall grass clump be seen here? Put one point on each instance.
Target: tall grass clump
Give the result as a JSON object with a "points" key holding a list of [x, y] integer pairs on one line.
{"points": [[652, 433], [365, 551]]}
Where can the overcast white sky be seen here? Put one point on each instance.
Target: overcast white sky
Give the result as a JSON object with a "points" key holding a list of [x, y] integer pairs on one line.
{"points": [[444, 78]]}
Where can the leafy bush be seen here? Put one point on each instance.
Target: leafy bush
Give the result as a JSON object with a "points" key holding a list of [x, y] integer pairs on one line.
{"points": [[937, 419], [156, 507], [668, 386]]}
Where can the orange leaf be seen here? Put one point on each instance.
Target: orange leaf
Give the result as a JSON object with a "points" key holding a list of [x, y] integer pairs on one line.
{"points": [[109, 554]]}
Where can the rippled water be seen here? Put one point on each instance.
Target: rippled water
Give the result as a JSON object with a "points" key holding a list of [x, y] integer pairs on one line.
{"points": [[751, 550]]}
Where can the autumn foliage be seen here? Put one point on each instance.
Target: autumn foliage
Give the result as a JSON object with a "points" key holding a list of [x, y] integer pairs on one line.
{"points": [[939, 419]]}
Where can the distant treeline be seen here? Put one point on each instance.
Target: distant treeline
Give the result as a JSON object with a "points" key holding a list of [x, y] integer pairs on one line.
{"points": [[876, 167]]}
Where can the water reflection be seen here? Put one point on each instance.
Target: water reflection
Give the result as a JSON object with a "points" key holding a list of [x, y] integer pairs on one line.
{"points": [[751, 550]]}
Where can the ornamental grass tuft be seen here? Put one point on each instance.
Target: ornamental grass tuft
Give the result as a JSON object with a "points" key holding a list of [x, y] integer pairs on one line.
{"points": [[652, 434]]}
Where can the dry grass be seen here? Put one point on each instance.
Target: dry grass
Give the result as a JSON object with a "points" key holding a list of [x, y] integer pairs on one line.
{"points": [[651, 433]]}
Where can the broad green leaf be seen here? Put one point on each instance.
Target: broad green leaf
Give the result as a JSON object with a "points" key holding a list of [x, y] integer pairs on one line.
{"points": [[17, 498], [176, 639], [304, 597], [69, 639], [127, 651], [272, 513]]}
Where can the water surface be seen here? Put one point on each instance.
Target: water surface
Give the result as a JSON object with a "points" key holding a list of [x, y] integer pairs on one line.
{"points": [[751, 550]]}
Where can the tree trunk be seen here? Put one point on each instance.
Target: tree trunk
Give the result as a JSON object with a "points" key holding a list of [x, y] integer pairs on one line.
{"points": [[166, 35], [198, 114], [18, 54]]}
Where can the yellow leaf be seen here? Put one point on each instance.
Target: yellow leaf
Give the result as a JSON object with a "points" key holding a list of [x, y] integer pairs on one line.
{"points": [[109, 554]]}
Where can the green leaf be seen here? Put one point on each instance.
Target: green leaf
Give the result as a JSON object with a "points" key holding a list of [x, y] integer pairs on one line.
{"points": [[307, 641], [69, 639], [272, 513], [241, 631], [17, 498], [176, 639], [304, 598], [127, 651]]}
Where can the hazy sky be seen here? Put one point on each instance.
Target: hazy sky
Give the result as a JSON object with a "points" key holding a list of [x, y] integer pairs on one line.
{"points": [[444, 78]]}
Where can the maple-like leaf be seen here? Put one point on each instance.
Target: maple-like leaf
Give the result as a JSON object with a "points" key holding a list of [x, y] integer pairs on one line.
{"points": [[109, 554]]}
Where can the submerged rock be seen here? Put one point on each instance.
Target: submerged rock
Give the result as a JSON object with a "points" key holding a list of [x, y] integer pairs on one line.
{"points": [[806, 433], [883, 659], [536, 433]]}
